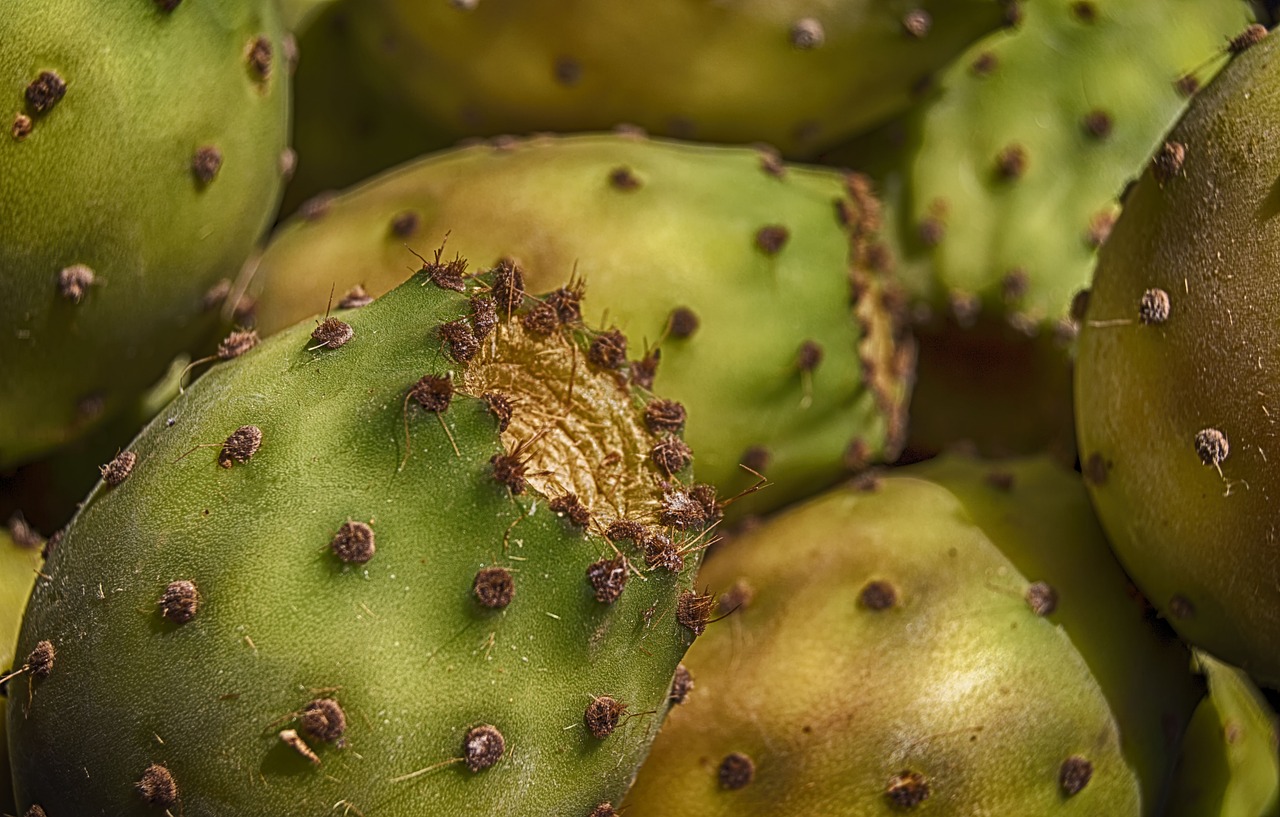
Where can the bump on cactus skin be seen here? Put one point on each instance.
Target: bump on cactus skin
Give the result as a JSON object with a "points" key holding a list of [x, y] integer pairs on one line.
{"points": [[1230, 762], [950, 695], [114, 217], [679, 238], [993, 258], [799, 75], [1180, 416], [444, 700]]}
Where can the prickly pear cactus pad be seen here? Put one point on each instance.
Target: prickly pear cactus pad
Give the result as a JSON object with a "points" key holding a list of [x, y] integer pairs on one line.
{"points": [[1179, 373], [1000, 188], [1230, 763], [405, 560], [799, 74], [1010, 175], [141, 149], [745, 288], [951, 640]]}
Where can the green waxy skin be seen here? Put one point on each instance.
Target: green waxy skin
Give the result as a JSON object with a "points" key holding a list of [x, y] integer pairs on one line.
{"points": [[708, 71], [106, 178], [299, 14], [1230, 766], [1175, 406], [650, 228], [19, 565], [1000, 188], [401, 641], [889, 634]]}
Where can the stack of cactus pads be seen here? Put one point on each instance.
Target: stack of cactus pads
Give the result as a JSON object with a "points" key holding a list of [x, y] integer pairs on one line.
{"points": [[677, 409]]}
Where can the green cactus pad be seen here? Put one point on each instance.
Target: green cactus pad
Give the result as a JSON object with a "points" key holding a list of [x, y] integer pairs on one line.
{"points": [[1230, 764], [141, 149], [364, 564], [750, 279], [48, 491], [1000, 188], [1070, 105], [950, 640], [1179, 371]]}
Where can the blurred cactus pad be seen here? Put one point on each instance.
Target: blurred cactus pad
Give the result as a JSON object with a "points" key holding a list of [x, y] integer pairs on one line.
{"points": [[802, 75], [1230, 763], [746, 288]]}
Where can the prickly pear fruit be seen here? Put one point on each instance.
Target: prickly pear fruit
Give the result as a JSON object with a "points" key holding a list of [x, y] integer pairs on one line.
{"points": [[744, 287], [407, 558], [1007, 217], [1000, 188], [799, 75], [1179, 371], [949, 640], [142, 155], [1230, 766]]}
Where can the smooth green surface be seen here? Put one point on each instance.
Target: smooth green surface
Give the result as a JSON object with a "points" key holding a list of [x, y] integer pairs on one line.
{"points": [[959, 681], [104, 179], [684, 237], [48, 491], [1230, 766], [400, 642], [1209, 237], [18, 569]]}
